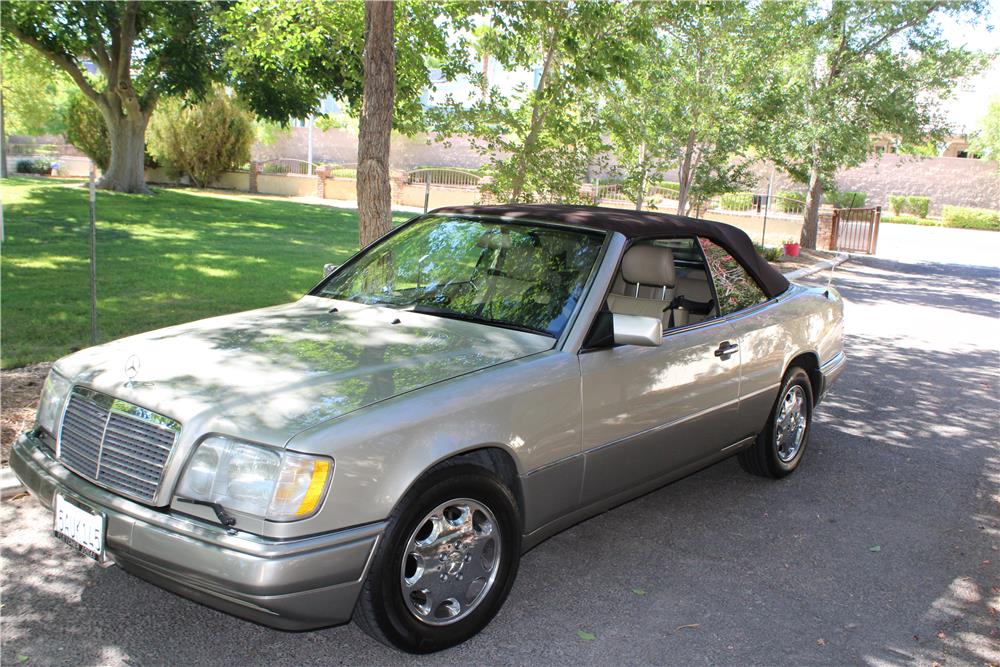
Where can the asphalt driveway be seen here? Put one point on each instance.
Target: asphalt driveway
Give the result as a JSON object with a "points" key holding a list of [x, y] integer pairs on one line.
{"points": [[880, 550]]}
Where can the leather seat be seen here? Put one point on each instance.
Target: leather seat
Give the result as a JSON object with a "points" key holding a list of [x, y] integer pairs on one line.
{"points": [[646, 285]]}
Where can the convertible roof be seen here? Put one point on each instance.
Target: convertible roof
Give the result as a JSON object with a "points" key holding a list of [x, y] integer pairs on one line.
{"points": [[639, 225]]}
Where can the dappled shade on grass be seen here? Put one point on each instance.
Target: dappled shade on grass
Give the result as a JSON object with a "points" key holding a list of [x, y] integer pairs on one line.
{"points": [[164, 258]]}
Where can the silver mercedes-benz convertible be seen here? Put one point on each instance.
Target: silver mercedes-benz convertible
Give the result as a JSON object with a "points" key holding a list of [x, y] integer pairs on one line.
{"points": [[386, 447]]}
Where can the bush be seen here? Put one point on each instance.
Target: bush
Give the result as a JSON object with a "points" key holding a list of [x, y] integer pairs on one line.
{"points": [[845, 199], [971, 218], [791, 202], [736, 201], [910, 204], [770, 254], [43, 167], [86, 129], [910, 220], [201, 139]]}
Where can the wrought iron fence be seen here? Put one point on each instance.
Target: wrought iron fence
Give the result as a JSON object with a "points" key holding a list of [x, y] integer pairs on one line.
{"points": [[443, 176], [286, 166]]}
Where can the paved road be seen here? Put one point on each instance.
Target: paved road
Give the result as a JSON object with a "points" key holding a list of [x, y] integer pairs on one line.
{"points": [[912, 243], [880, 550]]}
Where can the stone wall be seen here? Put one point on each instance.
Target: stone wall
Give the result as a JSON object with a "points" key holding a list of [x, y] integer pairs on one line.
{"points": [[946, 180]]}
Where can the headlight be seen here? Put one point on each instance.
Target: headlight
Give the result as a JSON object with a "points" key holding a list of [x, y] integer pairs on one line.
{"points": [[53, 394], [270, 483]]}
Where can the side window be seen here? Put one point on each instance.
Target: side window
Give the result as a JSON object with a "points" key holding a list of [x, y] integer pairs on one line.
{"points": [[733, 285]]}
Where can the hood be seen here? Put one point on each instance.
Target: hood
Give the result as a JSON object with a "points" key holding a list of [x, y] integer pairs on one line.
{"points": [[267, 374]]}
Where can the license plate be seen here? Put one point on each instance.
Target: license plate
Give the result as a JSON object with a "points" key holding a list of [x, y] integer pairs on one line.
{"points": [[80, 527]]}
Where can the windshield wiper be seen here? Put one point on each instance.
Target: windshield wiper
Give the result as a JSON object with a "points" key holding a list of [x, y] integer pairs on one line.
{"points": [[441, 311]]}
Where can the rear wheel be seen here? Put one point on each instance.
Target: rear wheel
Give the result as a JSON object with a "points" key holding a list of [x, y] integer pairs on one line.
{"points": [[778, 449], [446, 562]]}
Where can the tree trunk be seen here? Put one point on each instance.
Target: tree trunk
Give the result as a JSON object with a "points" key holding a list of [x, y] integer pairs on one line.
{"points": [[3, 141], [684, 177], [126, 168], [810, 226], [375, 129], [537, 118]]}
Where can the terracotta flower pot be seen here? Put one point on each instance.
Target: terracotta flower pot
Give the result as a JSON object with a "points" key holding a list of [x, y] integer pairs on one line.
{"points": [[792, 249]]}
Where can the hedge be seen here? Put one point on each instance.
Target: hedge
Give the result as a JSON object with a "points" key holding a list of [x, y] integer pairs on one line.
{"points": [[791, 202], [769, 253], [736, 201], [845, 199], [43, 167], [971, 218], [911, 204]]}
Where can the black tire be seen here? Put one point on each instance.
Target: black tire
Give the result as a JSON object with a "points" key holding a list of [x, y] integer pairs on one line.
{"points": [[381, 610], [762, 458]]}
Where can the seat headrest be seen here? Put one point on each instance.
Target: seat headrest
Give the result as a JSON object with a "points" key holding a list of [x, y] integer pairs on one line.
{"points": [[493, 240], [649, 265]]}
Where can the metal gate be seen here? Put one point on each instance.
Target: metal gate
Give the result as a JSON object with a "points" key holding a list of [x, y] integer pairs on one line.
{"points": [[856, 229]]}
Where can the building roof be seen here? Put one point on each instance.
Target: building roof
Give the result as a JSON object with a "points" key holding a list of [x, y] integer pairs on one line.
{"points": [[640, 225]]}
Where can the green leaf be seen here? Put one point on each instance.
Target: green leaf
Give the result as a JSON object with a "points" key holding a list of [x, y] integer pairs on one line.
{"points": [[875, 548], [638, 591], [22, 658], [586, 636]]}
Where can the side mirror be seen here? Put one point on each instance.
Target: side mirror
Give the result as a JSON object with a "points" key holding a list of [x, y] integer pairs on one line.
{"points": [[637, 330]]}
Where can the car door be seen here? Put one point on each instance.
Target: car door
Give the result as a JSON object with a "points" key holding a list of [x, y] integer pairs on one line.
{"points": [[648, 411], [759, 330]]}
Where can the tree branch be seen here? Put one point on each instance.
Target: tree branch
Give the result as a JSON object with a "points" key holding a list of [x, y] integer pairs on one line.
{"points": [[62, 60]]}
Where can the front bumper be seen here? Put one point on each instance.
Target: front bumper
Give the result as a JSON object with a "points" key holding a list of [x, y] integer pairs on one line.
{"points": [[297, 584]]}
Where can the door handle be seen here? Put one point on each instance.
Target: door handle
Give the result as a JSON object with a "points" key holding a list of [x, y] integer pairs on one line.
{"points": [[726, 350]]}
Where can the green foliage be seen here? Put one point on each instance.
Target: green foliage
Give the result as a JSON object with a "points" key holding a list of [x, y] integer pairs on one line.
{"points": [[860, 70], [986, 138], [201, 255], [285, 57], [771, 254], [736, 201], [141, 50], [789, 201], [539, 142], [201, 139], [691, 100], [845, 199], [910, 205], [39, 166], [35, 92], [971, 218], [910, 220], [925, 149], [86, 129]]}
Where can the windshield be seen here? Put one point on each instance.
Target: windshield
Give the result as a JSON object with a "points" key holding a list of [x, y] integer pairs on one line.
{"points": [[515, 275]]}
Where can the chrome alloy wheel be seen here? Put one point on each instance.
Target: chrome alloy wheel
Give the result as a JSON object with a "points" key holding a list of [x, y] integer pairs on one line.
{"points": [[790, 423], [451, 561]]}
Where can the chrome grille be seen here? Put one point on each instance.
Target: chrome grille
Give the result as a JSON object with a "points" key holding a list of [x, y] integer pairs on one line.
{"points": [[117, 444]]}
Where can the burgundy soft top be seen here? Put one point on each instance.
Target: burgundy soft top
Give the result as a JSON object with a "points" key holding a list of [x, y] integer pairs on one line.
{"points": [[638, 225]]}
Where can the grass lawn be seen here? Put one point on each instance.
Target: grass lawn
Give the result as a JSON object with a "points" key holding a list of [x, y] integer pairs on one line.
{"points": [[164, 258]]}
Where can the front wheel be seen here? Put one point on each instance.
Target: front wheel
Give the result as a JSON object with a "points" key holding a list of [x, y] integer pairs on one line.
{"points": [[778, 449], [446, 563]]}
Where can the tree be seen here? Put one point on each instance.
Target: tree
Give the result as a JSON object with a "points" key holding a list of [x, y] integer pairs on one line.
{"points": [[986, 139], [374, 188], [86, 129], [691, 103], [33, 96], [541, 140], [373, 56], [201, 138], [862, 69], [142, 50]]}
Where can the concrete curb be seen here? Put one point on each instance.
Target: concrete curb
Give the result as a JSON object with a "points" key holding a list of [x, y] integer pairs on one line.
{"points": [[10, 485], [818, 266]]}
